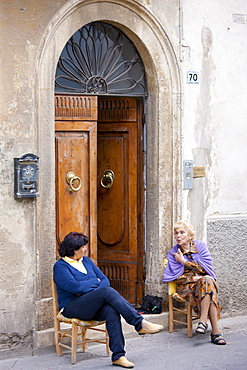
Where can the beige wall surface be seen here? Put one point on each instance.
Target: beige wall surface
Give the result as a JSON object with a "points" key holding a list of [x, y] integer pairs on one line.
{"points": [[22, 27], [214, 43], [204, 122]]}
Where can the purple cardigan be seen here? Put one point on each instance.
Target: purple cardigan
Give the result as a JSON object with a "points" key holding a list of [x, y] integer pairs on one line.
{"points": [[175, 269]]}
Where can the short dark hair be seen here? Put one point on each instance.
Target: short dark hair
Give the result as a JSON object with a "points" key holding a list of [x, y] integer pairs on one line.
{"points": [[72, 241]]}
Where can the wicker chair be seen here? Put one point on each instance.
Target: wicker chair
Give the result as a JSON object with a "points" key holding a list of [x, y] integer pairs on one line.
{"points": [[77, 328], [185, 311]]}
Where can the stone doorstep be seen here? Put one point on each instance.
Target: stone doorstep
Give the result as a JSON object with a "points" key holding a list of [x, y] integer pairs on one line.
{"points": [[45, 338]]}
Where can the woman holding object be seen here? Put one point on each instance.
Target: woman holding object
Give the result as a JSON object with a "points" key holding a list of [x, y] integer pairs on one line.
{"points": [[190, 264]]}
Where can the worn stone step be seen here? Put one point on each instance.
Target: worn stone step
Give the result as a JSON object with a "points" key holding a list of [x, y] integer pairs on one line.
{"points": [[45, 338]]}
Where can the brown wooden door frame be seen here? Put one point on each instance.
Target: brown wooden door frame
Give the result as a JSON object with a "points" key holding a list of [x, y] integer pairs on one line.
{"points": [[141, 204]]}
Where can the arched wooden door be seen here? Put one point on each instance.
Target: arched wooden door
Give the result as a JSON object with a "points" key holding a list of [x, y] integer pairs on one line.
{"points": [[95, 135]]}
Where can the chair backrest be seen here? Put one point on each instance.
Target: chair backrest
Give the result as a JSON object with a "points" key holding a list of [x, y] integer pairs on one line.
{"points": [[54, 298], [172, 286]]}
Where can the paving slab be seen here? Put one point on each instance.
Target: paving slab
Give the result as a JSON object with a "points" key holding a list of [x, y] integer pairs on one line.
{"points": [[169, 351]]}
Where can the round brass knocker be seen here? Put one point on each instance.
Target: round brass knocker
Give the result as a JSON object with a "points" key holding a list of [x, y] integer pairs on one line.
{"points": [[71, 178], [107, 179]]}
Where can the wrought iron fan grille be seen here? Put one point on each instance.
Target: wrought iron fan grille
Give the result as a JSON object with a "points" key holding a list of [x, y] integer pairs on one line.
{"points": [[100, 59]]}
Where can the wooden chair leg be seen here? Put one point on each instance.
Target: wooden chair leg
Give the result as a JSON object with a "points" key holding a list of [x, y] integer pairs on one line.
{"points": [[189, 320], [171, 314], [74, 342], [83, 337], [59, 349]]}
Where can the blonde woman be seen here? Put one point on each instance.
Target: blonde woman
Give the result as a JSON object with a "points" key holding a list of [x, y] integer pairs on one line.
{"points": [[190, 264]]}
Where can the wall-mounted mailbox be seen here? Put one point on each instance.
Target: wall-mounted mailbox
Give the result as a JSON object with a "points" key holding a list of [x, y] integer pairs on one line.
{"points": [[26, 176]]}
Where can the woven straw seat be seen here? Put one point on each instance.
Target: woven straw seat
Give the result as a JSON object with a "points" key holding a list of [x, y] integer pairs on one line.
{"points": [[85, 324]]}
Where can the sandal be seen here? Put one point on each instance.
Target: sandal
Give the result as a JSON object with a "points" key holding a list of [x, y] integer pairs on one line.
{"points": [[217, 339], [201, 328]]}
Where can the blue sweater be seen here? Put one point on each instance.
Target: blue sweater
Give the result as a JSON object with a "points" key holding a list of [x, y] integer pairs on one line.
{"points": [[72, 283]]}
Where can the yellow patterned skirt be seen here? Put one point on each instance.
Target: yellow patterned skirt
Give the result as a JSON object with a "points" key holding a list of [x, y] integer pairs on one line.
{"points": [[193, 289]]}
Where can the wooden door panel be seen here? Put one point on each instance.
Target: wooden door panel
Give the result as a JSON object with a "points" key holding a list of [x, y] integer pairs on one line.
{"points": [[70, 146], [77, 211], [123, 277], [112, 203], [76, 150], [118, 110], [119, 253], [73, 107], [117, 206]]}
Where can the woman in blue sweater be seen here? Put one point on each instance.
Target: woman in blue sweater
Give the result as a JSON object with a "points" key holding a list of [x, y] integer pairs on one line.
{"points": [[84, 292]]}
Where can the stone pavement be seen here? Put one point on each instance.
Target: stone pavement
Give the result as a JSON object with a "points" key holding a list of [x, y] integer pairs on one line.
{"points": [[170, 351]]}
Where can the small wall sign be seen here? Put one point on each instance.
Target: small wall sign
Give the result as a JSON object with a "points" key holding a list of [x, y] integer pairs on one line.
{"points": [[192, 77], [199, 171], [240, 18]]}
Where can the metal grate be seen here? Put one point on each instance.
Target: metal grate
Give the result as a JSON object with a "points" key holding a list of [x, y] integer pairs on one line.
{"points": [[119, 276], [100, 59]]}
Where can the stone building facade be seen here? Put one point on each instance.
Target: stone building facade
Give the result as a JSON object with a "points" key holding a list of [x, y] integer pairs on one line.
{"points": [[194, 55]]}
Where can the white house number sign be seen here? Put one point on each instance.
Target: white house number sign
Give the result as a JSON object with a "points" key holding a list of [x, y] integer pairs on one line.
{"points": [[192, 77]]}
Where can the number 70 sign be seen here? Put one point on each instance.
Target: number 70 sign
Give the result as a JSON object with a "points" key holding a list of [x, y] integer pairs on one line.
{"points": [[192, 77]]}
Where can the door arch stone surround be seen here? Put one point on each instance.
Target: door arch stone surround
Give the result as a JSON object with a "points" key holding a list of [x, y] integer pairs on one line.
{"points": [[163, 149]]}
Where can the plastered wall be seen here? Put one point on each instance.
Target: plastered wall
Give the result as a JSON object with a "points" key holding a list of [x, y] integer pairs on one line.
{"points": [[213, 43]]}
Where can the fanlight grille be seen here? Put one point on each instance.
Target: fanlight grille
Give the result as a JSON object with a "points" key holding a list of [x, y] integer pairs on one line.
{"points": [[100, 59]]}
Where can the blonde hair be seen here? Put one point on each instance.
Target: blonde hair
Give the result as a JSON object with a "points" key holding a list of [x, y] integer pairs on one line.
{"points": [[187, 226]]}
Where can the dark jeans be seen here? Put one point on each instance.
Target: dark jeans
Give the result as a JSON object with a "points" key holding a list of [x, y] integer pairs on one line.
{"points": [[106, 304]]}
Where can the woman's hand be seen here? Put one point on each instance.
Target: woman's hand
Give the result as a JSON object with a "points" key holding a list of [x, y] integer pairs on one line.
{"points": [[179, 257], [94, 283], [196, 277]]}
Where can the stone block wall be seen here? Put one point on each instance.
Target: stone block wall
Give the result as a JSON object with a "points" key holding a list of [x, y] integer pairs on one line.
{"points": [[227, 244]]}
